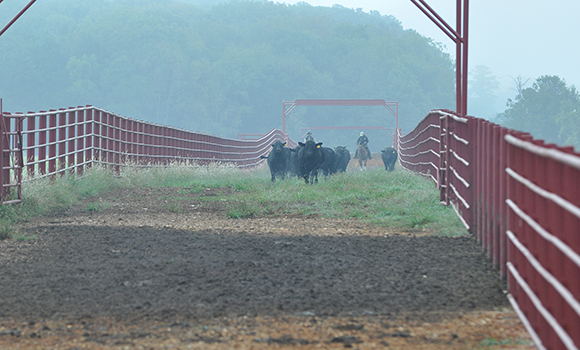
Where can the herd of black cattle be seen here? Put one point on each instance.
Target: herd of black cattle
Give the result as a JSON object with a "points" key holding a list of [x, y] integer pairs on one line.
{"points": [[309, 158]]}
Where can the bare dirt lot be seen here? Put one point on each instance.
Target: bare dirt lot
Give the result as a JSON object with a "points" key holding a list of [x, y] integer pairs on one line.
{"points": [[155, 268]]}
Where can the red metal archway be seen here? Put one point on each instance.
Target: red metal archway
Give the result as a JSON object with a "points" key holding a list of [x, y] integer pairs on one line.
{"points": [[459, 36], [16, 17], [392, 106]]}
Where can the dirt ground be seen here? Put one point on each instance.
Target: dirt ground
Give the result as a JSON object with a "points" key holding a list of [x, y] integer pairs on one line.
{"points": [[164, 268]]}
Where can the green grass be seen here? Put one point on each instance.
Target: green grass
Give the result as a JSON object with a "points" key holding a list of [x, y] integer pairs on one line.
{"points": [[492, 342], [98, 206], [399, 200]]}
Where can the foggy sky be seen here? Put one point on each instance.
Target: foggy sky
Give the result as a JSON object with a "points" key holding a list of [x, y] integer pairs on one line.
{"points": [[516, 37], [526, 38]]}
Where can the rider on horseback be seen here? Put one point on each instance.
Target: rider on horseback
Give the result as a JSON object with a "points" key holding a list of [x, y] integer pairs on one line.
{"points": [[309, 137], [363, 140]]}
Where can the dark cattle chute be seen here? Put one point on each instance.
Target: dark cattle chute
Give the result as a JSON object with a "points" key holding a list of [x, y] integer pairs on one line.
{"points": [[277, 160], [308, 160], [342, 158], [389, 156]]}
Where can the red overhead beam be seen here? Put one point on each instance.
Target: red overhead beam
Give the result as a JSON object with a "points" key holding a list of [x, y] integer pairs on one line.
{"points": [[340, 102], [392, 106], [459, 36], [16, 17]]}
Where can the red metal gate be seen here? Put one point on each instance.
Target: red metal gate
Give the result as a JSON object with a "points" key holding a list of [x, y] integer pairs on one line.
{"points": [[11, 161], [391, 106]]}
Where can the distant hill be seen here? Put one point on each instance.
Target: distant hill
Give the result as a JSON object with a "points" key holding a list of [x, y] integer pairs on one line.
{"points": [[221, 68]]}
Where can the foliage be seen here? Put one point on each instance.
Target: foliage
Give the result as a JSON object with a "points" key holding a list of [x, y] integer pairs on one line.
{"points": [[483, 86], [548, 110], [399, 200], [51, 195], [221, 68]]}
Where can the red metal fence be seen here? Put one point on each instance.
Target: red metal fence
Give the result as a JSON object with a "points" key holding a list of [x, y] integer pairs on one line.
{"points": [[521, 197], [36, 145]]}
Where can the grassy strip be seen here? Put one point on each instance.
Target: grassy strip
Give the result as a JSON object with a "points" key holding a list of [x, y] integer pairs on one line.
{"points": [[51, 195], [399, 200]]}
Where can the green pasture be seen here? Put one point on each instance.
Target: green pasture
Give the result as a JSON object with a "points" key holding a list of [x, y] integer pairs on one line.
{"points": [[399, 200]]}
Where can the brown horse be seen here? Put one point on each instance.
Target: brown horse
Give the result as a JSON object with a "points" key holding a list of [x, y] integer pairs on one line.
{"points": [[363, 156]]}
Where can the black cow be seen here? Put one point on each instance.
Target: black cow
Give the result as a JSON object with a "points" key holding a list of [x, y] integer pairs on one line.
{"points": [[389, 156], [328, 167], [291, 154], [342, 158], [309, 157], [277, 160]]}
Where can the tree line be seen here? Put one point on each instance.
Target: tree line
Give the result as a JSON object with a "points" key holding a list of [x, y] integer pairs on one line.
{"points": [[225, 67], [549, 110], [222, 68]]}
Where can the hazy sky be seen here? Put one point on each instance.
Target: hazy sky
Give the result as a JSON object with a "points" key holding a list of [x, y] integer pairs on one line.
{"points": [[514, 37]]}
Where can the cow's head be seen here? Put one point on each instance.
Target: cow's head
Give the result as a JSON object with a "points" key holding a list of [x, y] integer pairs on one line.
{"points": [[311, 147], [278, 147]]}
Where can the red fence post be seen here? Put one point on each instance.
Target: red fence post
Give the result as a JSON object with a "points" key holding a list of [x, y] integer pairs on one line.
{"points": [[106, 139], [80, 144], [52, 123], [472, 170], [158, 145], [166, 144], [42, 139], [503, 178], [5, 158], [495, 168], [141, 143], [443, 173], [478, 197], [130, 148], [61, 141], [71, 147], [117, 143], [89, 137], [19, 157], [3, 136], [30, 143], [484, 189], [148, 144]]}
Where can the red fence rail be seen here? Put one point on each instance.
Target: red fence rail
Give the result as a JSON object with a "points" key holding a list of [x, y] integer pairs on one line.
{"points": [[521, 197], [518, 195], [36, 145]]}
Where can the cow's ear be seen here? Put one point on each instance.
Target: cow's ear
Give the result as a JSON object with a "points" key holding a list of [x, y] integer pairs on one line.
{"points": [[300, 143], [284, 143], [318, 145]]}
